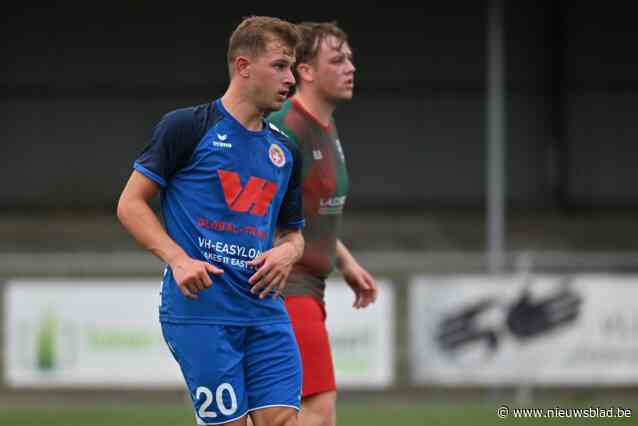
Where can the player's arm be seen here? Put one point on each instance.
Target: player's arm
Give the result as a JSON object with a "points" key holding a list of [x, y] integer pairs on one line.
{"points": [[136, 215], [275, 265], [359, 280]]}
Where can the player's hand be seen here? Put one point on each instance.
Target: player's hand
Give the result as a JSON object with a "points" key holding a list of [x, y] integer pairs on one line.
{"points": [[362, 284], [273, 268], [193, 276]]}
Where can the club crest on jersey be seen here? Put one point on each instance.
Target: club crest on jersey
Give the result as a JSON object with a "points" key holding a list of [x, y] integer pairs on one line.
{"points": [[276, 155]]}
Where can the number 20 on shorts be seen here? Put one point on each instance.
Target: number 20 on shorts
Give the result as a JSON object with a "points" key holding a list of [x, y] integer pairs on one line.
{"points": [[219, 393]]}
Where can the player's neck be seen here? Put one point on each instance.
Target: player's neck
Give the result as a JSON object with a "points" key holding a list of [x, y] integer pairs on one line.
{"points": [[317, 106], [242, 110]]}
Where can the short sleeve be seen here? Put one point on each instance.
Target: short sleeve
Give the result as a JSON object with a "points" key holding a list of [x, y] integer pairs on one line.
{"points": [[173, 140]]}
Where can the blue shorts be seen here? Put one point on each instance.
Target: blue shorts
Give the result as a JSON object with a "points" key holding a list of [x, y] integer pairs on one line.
{"points": [[231, 370]]}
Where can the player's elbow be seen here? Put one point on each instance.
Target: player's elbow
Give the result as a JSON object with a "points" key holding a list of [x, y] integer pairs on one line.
{"points": [[121, 210], [302, 242], [125, 207]]}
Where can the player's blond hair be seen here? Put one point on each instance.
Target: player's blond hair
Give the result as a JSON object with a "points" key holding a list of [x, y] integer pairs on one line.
{"points": [[253, 34]]}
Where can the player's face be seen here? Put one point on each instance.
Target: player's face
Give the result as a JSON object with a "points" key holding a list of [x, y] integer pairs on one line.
{"points": [[271, 76], [335, 70]]}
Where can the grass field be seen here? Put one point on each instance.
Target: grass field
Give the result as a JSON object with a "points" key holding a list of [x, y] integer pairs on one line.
{"points": [[349, 414]]}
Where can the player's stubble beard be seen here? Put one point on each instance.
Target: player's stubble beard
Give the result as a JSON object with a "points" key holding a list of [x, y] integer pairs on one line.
{"points": [[336, 95], [338, 98]]}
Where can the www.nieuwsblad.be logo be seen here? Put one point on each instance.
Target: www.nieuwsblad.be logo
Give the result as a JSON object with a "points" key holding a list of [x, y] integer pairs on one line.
{"points": [[254, 198]]}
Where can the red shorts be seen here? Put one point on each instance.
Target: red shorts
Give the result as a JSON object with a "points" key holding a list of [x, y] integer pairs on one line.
{"points": [[309, 323]]}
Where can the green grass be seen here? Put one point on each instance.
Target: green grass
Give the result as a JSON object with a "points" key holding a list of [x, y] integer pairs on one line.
{"points": [[349, 414]]}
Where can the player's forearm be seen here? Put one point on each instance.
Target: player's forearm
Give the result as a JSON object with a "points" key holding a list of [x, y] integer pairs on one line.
{"points": [[344, 257], [295, 239], [142, 223]]}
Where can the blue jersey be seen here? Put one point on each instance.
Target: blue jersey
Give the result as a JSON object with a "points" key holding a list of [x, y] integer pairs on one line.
{"points": [[224, 190]]}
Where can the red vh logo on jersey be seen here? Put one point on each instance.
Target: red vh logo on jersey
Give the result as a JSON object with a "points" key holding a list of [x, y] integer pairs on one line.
{"points": [[255, 197]]}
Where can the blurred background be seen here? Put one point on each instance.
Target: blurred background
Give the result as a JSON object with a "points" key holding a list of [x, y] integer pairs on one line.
{"points": [[491, 148]]}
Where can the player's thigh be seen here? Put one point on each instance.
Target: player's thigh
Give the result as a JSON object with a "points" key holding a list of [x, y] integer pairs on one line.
{"points": [[308, 321], [210, 357], [274, 416], [319, 409], [272, 367]]}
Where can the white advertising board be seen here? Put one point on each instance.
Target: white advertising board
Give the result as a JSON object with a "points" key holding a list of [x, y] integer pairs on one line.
{"points": [[511, 330], [86, 332], [362, 340]]}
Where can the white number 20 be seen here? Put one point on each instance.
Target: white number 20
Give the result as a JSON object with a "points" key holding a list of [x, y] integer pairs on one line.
{"points": [[226, 411]]}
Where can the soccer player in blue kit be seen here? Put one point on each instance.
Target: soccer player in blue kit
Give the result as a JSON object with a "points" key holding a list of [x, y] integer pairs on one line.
{"points": [[230, 191]]}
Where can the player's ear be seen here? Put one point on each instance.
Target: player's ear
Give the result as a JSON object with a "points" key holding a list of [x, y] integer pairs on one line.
{"points": [[242, 66], [306, 72]]}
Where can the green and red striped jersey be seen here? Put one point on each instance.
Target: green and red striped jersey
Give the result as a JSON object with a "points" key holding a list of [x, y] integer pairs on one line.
{"points": [[325, 188]]}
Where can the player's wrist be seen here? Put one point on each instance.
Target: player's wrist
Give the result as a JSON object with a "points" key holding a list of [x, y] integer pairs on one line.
{"points": [[345, 261], [345, 264], [294, 252], [177, 260]]}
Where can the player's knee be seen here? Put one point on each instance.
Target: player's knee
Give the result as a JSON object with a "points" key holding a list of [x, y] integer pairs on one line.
{"points": [[325, 416], [319, 410], [320, 415], [275, 417], [286, 418], [292, 421]]}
